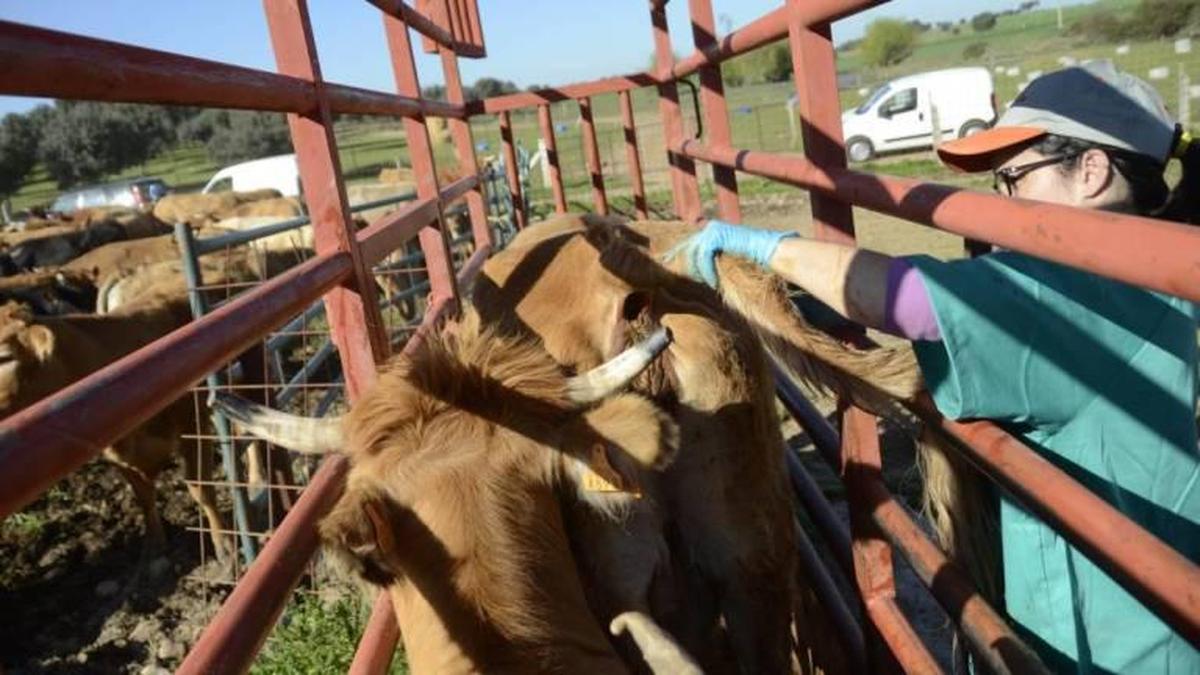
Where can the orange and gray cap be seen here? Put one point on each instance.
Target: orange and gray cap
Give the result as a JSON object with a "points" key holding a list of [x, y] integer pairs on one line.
{"points": [[1093, 102]]}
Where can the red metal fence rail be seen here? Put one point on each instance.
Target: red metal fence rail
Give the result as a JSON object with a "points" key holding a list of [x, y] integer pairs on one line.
{"points": [[76, 423]]}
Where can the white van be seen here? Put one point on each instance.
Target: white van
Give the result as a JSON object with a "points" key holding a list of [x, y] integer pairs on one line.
{"points": [[899, 115], [279, 172]]}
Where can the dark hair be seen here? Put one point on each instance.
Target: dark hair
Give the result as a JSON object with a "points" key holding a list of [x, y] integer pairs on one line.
{"points": [[1147, 186]]}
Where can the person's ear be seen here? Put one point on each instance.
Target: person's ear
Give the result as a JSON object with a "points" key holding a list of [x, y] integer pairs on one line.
{"points": [[1094, 174]]}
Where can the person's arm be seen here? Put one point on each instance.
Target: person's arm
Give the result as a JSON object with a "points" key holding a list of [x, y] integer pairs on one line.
{"points": [[872, 289]]}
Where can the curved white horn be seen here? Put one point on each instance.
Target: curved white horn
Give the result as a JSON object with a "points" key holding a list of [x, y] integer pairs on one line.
{"points": [[308, 435], [658, 649], [615, 374]]}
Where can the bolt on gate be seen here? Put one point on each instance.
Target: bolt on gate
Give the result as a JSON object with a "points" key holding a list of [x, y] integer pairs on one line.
{"points": [[52, 438]]}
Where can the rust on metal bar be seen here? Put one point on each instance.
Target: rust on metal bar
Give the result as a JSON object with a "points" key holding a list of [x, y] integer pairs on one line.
{"points": [[592, 153], [464, 148], [631, 154], [356, 322], [347, 99], [1167, 257], [432, 32], [716, 114], [570, 92], [556, 184], [55, 436], [1154, 572], [233, 637], [377, 647], [434, 244], [53, 64], [685, 192], [513, 171]]}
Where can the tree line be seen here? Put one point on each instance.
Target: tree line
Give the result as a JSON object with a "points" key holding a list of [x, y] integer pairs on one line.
{"points": [[82, 141]]}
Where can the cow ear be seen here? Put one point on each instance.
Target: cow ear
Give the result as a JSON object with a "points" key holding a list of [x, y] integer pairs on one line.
{"points": [[636, 427], [39, 340], [358, 532]]}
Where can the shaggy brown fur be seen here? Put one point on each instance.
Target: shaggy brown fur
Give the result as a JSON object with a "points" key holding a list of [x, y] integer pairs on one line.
{"points": [[457, 454]]}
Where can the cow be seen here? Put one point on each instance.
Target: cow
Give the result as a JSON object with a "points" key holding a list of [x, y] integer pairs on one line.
{"points": [[39, 356], [200, 209], [457, 455]]}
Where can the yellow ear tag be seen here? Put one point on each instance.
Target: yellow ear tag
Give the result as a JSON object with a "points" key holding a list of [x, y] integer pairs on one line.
{"points": [[599, 476]]}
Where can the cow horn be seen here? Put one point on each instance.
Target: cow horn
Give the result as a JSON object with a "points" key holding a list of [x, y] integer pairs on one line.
{"points": [[308, 435], [615, 374]]}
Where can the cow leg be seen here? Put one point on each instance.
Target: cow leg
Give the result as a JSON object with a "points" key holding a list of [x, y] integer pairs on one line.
{"points": [[198, 467], [143, 492]]}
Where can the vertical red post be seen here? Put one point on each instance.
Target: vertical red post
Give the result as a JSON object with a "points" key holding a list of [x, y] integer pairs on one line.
{"points": [[684, 189], [439, 265], [355, 322], [474, 23], [592, 151], [631, 152], [513, 171], [716, 114], [464, 146], [556, 184]]}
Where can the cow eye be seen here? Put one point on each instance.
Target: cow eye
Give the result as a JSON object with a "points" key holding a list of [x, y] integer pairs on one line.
{"points": [[635, 303]]}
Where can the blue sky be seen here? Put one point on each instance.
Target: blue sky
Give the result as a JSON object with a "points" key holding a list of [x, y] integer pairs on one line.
{"points": [[529, 41]]}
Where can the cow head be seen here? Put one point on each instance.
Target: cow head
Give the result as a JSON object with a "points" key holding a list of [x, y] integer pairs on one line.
{"points": [[26, 348]]}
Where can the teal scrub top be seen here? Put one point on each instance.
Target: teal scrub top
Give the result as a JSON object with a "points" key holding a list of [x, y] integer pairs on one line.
{"points": [[1099, 377]]}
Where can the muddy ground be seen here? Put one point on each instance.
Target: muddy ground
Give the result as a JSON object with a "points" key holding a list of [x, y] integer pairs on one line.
{"points": [[79, 595]]}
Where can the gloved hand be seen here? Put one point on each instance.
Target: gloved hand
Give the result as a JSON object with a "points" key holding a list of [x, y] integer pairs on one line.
{"points": [[700, 250]]}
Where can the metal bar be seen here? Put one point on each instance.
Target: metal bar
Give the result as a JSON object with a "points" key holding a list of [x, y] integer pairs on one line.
{"points": [[684, 190], [306, 371], [716, 115], [848, 630], [72, 426], [283, 337], [1166, 258], [195, 280], [439, 263], [556, 183], [346, 99], [464, 146], [910, 653], [425, 26], [233, 637], [40, 62], [570, 92], [354, 318], [817, 507], [513, 172], [476, 27], [988, 636], [393, 230], [592, 153], [372, 657], [814, 69], [1151, 570], [54, 64], [631, 154]]}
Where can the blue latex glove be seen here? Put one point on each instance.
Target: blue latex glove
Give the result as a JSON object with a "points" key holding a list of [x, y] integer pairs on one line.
{"points": [[700, 249]]}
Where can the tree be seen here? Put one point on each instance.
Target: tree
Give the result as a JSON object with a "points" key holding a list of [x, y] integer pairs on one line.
{"points": [[200, 128], [974, 50], [487, 87], [18, 151], [249, 135], [435, 91], [888, 42], [1161, 18], [983, 21], [84, 140]]}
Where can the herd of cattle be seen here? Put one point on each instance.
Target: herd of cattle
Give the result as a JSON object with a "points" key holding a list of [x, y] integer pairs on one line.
{"points": [[545, 467]]}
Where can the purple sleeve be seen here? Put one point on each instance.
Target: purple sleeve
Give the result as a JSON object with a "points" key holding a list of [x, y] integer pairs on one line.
{"points": [[908, 313]]}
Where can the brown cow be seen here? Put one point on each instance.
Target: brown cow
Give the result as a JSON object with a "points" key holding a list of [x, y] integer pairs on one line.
{"points": [[40, 356], [458, 453]]}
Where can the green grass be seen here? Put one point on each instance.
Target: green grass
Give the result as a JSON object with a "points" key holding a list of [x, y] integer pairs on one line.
{"points": [[317, 637]]}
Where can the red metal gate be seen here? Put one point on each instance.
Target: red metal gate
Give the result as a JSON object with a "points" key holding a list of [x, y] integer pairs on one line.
{"points": [[46, 441]]}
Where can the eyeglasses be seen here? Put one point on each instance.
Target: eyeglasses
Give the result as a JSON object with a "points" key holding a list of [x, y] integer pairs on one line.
{"points": [[1009, 175]]}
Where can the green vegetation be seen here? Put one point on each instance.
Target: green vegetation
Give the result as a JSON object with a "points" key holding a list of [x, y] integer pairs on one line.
{"points": [[317, 637], [888, 42]]}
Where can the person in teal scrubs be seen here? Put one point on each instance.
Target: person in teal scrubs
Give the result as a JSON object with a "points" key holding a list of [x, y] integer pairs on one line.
{"points": [[1097, 376]]}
